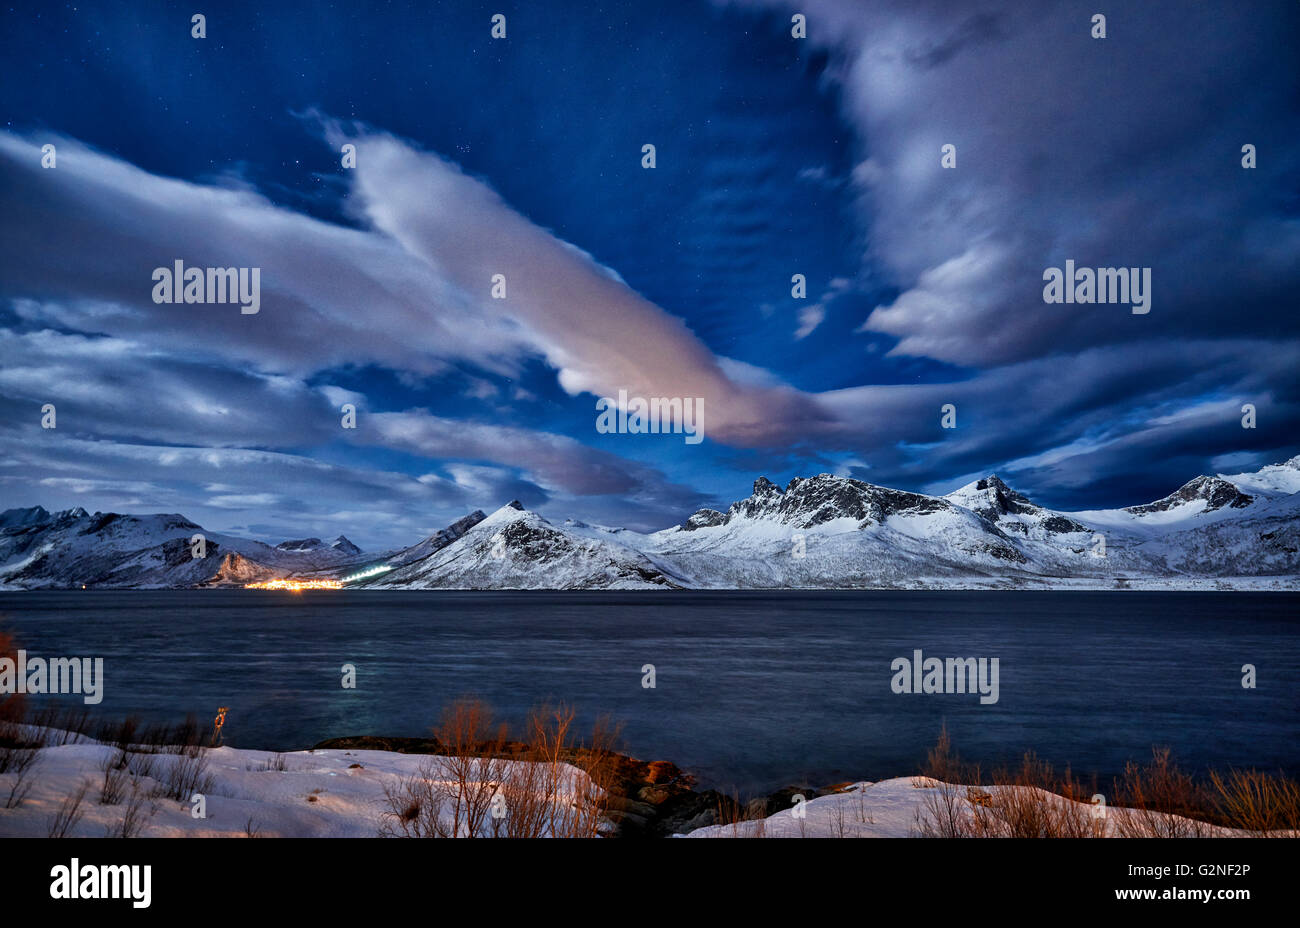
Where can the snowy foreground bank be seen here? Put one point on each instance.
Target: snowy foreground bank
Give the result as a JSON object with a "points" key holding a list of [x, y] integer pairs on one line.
{"points": [[347, 793], [326, 794]]}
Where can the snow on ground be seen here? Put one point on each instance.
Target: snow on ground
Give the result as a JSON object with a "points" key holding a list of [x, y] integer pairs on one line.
{"points": [[340, 794], [1281, 479], [324, 794], [885, 809]]}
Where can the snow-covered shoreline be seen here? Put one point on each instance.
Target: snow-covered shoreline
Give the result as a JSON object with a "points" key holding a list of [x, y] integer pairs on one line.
{"points": [[339, 793], [317, 794]]}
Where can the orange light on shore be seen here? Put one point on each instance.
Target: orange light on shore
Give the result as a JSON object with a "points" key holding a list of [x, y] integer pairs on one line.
{"points": [[295, 585]]}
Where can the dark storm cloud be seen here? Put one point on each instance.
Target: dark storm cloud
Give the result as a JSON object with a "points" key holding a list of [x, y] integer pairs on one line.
{"points": [[1123, 151]]}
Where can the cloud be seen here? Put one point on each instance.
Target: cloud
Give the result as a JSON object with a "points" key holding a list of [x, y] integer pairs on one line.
{"points": [[411, 295], [80, 242], [1114, 152], [196, 395], [809, 318], [558, 461], [599, 335], [123, 388], [1105, 420], [1067, 147]]}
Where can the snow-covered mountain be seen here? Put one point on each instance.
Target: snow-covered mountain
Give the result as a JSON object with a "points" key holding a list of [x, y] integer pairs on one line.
{"points": [[340, 546], [519, 550], [435, 542], [822, 532], [72, 548], [829, 531]]}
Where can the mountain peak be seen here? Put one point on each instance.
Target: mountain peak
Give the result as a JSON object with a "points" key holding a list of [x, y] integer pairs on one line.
{"points": [[703, 518], [990, 496], [1214, 491], [13, 518], [512, 511], [299, 544], [342, 543]]}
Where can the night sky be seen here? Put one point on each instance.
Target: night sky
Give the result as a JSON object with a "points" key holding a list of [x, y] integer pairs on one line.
{"points": [[522, 156]]}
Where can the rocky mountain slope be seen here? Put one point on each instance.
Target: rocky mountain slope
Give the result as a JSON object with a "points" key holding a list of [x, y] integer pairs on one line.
{"points": [[72, 548], [824, 532], [519, 550]]}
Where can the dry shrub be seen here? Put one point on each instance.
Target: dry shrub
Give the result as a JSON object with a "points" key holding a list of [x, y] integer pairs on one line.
{"points": [[142, 764], [18, 750], [941, 761], [1258, 803], [1160, 801], [485, 785], [57, 726], [472, 767], [1028, 801], [414, 809], [451, 796], [944, 813], [139, 809], [116, 776], [1033, 802], [69, 814], [121, 735], [562, 790], [945, 809], [186, 775], [745, 819], [22, 762]]}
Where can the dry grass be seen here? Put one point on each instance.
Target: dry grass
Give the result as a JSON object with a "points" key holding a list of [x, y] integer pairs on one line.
{"points": [[745, 819], [117, 774], [482, 784], [139, 809], [1152, 800], [184, 776], [1258, 803], [69, 814], [1161, 801]]}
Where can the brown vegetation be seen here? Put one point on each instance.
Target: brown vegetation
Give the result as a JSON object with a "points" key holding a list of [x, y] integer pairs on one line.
{"points": [[558, 787], [1152, 800]]}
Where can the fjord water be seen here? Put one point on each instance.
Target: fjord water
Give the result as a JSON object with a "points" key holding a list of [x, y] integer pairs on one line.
{"points": [[753, 690]]}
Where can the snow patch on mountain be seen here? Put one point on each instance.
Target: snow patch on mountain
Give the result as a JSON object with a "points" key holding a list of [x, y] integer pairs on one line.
{"points": [[514, 549], [1274, 480], [821, 532], [72, 548]]}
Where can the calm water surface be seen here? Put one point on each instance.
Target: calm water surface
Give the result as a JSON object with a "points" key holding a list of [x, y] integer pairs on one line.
{"points": [[754, 690]]}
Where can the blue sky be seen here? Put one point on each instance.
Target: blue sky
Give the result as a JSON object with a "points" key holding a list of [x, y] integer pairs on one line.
{"points": [[522, 155]]}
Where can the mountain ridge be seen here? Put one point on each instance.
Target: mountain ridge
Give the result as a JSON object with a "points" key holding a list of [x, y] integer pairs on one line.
{"points": [[818, 532]]}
